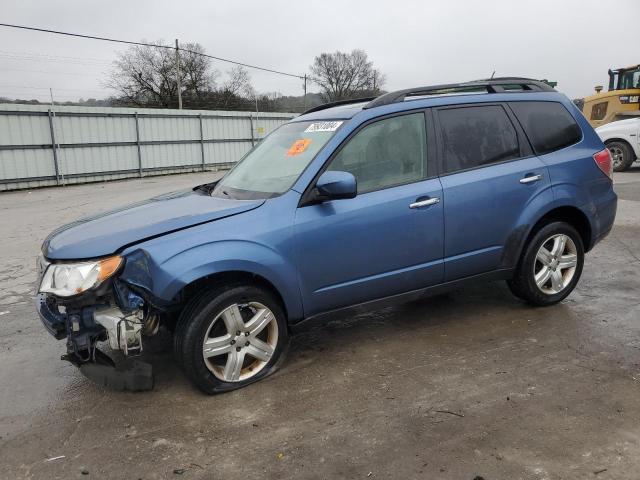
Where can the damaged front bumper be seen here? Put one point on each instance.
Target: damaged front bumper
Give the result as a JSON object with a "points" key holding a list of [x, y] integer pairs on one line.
{"points": [[84, 325]]}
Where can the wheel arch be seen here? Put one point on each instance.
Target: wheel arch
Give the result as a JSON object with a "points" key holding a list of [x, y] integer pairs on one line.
{"points": [[569, 214], [623, 140], [229, 277], [521, 237]]}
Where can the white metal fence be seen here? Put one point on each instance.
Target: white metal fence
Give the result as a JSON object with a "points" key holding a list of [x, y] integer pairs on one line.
{"points": [[40, 146]]}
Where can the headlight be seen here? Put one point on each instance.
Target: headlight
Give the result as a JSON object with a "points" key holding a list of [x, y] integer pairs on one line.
{"points": [[68, 279]]}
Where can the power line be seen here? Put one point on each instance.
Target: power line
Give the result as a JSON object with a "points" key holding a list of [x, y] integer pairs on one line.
{"points": [[92, 37]]}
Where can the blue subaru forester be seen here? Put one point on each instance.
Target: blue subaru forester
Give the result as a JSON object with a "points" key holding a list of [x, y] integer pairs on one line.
{"points": [[352, 204]]}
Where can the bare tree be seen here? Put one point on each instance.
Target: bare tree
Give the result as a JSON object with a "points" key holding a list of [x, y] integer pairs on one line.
{"points": [[345, 75], [146, 76], [197, 77], [237, 85]]}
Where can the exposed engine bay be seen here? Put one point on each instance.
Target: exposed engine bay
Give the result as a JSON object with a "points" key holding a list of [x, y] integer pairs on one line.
{"points": [[111, 315]]}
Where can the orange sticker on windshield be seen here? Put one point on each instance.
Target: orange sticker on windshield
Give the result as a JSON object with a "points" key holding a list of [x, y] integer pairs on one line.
{"points": [[298, 147]]}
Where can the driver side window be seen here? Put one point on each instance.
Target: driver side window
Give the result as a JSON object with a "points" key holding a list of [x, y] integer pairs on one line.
{"points": [[385, 153]]}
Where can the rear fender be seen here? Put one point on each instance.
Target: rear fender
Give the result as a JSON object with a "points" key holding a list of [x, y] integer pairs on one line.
{"points": [[532, 214]]}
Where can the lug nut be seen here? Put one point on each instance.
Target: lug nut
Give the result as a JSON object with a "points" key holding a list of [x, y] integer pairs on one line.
{"points": [[246, 334], [238, 349], [246, 344], [237, 333], [233, 342]]}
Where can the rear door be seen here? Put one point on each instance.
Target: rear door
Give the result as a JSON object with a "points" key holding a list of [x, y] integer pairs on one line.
{"points": [[489, 176]]}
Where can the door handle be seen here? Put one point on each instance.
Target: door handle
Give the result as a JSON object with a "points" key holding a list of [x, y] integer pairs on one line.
{"points": [[530, 179], [425, 203]]}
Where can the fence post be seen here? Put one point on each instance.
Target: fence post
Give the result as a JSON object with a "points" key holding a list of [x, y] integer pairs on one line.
{"points": [[138, 145], [253, 142], [53, 146], [201, 141]]}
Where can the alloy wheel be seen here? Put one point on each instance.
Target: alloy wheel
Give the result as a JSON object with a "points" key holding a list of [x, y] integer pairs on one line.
{"points": [[555, 264], [240, 341]]}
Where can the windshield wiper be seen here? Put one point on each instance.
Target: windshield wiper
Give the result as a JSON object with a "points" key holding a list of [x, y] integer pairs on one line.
{"points": [[206, 187]]}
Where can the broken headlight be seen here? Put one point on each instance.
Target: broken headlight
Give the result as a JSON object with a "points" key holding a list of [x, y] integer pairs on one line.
{"points": [[68, 279]]}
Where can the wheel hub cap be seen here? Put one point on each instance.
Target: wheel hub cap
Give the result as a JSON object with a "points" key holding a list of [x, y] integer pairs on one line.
{"points": [[617, 155], [240, 341], [555, 264]]}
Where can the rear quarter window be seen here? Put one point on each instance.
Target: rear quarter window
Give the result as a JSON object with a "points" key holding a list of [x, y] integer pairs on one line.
{"points": [[549, 125]]}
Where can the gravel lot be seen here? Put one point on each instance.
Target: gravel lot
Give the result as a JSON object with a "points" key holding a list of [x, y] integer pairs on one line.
{"points": [[468, 385]]}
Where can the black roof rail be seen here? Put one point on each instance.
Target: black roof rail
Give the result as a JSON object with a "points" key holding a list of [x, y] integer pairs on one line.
{"points": [[491, 85], [338, 103]]}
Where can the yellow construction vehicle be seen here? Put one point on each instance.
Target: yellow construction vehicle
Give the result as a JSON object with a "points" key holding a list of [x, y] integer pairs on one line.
{"points": [[621, 101]]}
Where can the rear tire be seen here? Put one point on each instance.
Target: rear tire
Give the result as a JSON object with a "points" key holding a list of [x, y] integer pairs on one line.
{"points": [[550, 266], [230, 337], [621, 155]]}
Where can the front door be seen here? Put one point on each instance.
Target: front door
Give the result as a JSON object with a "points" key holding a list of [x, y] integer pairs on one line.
{"points": [[389, 238]]}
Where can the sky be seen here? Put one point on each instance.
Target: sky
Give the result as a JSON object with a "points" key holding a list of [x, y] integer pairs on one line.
{"points": [[413, 43]]}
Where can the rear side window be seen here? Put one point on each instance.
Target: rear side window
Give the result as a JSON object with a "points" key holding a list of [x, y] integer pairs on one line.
{"points": [[476, 136], [548, 125]]}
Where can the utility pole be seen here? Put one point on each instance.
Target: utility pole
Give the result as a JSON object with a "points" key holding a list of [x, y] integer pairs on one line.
{"points": [[375, 75], [305, 93], [255, 97], [178, 75], [55, 145]]}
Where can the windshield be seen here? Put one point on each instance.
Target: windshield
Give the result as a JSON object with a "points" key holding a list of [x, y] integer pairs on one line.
{"points": [[273, 166], [629, 79]]}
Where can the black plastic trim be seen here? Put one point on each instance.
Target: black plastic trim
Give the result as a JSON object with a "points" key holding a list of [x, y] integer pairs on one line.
{"points": [[338, 103], [391, 300]]}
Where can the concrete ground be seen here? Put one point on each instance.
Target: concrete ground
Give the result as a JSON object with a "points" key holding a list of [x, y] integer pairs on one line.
{"points": [[471, 385]]}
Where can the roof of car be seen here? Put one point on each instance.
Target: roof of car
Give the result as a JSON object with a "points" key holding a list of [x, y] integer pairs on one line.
{"points": [[349, 108], [339, 111]]}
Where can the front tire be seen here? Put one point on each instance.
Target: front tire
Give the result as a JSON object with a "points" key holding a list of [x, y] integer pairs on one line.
{"points": [[621, 155], [231, 337], [550, 266]]}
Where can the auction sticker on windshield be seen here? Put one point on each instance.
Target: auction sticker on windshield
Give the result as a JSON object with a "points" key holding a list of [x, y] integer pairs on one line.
{"points": [[298, 147], [323, 127]]}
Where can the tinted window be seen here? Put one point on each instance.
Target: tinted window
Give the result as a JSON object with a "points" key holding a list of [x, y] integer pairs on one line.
{"points": [[385, 153], [548, 125], [476, 136]]}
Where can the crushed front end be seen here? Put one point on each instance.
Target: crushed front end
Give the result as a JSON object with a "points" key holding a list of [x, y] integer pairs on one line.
{"points": [[87, 302]]}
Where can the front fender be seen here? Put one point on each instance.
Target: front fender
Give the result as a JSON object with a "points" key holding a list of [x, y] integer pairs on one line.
{"points": [[165, 279]]}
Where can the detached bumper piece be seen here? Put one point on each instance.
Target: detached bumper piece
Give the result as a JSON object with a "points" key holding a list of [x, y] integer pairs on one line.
{"points": [[132, 375], [51, 318]]}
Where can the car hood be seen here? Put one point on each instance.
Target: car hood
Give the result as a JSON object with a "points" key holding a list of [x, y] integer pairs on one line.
{"points": [[619, 125], [106, 233]]}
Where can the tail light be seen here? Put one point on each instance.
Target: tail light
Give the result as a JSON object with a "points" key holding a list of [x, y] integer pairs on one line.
{"points": [[604, 162]]}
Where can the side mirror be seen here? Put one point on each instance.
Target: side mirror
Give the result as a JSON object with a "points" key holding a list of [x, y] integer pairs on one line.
{"points": [[335, 185]]}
